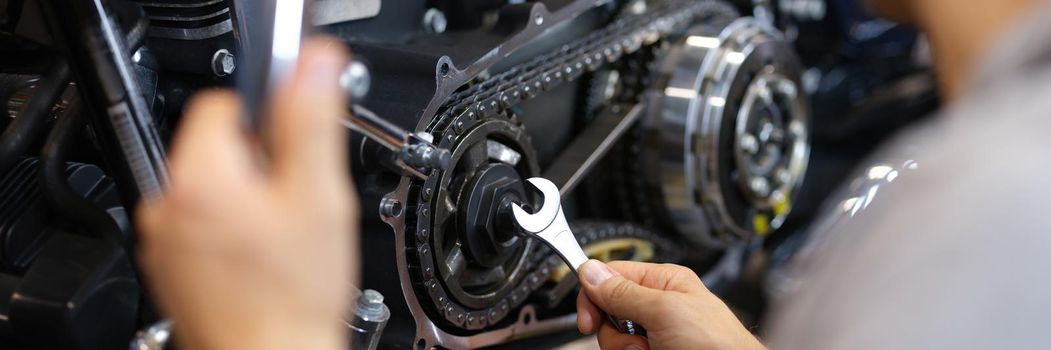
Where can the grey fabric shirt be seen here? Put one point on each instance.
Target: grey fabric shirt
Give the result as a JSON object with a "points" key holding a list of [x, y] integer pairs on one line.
{"points": [[952, 249]]}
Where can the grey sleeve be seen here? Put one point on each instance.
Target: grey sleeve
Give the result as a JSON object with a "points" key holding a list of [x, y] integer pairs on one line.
{"points": [[953, 255]]}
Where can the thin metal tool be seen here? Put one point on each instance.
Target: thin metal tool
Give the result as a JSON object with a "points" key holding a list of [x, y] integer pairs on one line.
{"points": [[272, 54], [549, 225], [584, 153]]}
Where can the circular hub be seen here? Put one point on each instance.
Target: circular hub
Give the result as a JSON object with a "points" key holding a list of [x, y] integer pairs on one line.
{"points": [[768, 140], [727, 134], [486, 226]]}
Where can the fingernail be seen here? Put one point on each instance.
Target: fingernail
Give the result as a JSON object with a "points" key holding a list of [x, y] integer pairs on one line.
{"points": [[584, 320], [595, 272], [633, 347]]}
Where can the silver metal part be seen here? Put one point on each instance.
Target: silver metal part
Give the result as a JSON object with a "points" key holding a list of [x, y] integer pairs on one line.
{"points": [[156, 337], [223, 63], [337, 11], [269, 51], [412, 150], [356, 80], [434, 21], [390, 207], [581, 156], [549, 225], [731, 132], [378, 129], [420, 154], [501, 152], [370, 317]]}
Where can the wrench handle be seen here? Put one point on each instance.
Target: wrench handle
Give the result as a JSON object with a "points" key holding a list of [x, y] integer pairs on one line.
{"points": [[566, 246]]}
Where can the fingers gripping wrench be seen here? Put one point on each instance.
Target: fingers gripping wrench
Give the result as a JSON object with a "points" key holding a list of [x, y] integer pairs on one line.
{"points": [[549, 225]]}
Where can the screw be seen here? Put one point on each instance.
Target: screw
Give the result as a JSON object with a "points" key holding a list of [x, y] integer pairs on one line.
{"points": [[370, 303], [356, 80], [766, 130], [749, 144], [223, 63], [434, 21], [760, 186], [783, 175]]}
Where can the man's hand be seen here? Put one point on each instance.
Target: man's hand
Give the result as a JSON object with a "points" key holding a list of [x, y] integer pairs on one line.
{"points": [[246, 256], [677, 311]]}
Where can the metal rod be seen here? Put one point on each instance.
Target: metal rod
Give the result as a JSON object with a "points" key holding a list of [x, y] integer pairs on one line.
{"points": [[378, 129], [570, 167]]}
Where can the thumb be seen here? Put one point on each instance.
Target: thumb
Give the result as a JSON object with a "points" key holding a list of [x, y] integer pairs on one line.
{"points": [[617, 295]]}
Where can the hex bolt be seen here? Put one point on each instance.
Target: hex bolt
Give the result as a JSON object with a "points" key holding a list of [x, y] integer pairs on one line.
{"points": [[223, 63], [356, 80], [434, 21]]}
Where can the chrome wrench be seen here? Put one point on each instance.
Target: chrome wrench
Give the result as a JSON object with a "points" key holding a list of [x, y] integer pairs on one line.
{"points": [[549, 225]]}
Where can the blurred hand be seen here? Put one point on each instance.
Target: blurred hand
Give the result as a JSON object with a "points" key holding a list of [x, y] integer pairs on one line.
{"points": [[670, 301], [246, 256]]}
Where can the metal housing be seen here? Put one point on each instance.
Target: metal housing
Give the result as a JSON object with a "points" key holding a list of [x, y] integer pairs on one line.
{"points": [[727, 133]]}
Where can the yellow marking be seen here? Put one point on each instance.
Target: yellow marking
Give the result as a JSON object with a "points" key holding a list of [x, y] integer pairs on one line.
{"points": [[761, 224], [607, 250]]}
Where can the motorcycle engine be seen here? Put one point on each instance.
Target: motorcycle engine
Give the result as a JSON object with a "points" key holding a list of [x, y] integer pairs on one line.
{"points": [[679, 131]]}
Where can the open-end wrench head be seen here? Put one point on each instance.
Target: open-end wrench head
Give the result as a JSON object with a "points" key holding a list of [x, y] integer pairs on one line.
{"points": [[537, 222]]}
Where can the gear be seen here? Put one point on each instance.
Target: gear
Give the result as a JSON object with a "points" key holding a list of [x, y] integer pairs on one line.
{"points": [[471, 266]]}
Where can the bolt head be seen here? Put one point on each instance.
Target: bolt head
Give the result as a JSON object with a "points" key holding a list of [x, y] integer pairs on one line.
{"points": [[223, 63], [760, 186], [372, 297], [434, 21], [784, 176], [356, 80], [749, 144]]}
